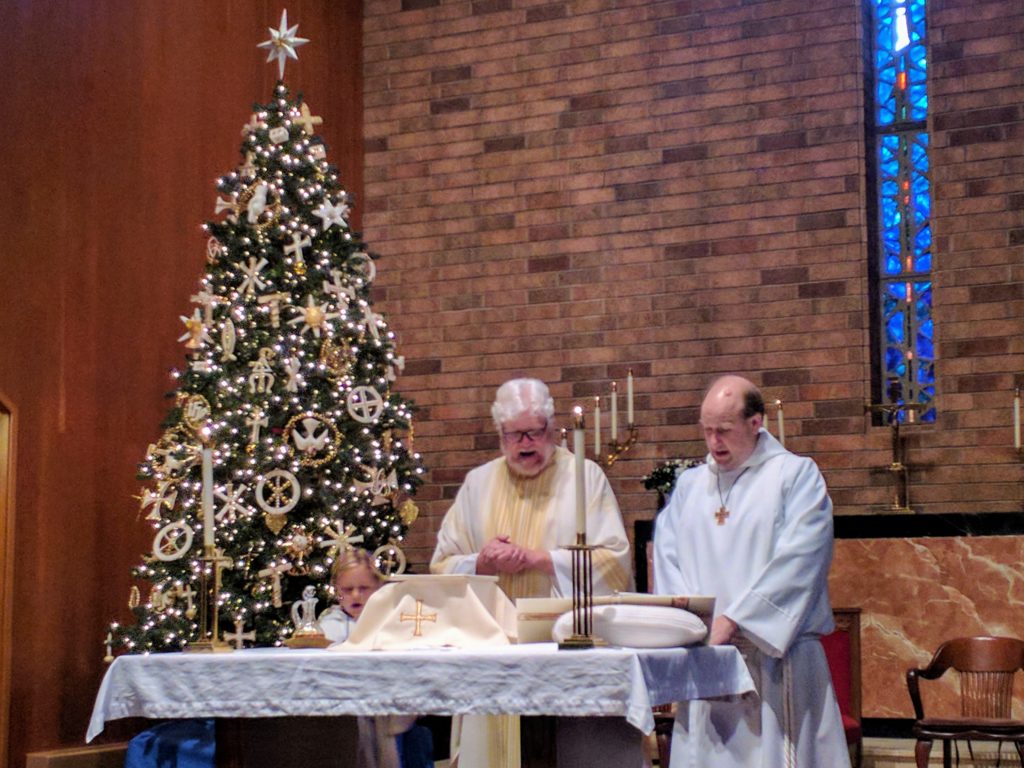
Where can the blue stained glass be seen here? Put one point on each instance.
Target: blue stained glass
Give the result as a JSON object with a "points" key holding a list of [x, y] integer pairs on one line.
{"points": [[924, 348], [903, 192], [922, 206], [895, 329], [924, 310], [922, 243]]}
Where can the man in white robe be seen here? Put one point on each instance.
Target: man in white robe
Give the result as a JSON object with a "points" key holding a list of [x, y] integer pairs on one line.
{"points": [[513, 517], [753, 528]]}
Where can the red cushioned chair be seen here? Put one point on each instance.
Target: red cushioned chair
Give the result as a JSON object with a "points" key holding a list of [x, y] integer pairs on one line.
{"points": [[842, 649]]}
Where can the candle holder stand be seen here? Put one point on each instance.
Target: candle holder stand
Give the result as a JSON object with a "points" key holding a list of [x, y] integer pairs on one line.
{"points": [[582, 596], [898, 469], [209, 641], [616, 449]]}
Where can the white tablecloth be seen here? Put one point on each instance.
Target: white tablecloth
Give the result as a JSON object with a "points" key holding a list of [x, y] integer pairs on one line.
{"points": [[532, 679]]}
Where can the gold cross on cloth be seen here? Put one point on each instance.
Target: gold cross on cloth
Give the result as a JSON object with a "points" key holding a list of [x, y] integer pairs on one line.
{"points": [[419, 617], [721, 515]]}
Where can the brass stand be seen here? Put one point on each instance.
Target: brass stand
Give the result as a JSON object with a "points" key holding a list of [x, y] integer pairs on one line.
{"points": [[582, 596], [897, 468], [616, 449], [209, 640]]}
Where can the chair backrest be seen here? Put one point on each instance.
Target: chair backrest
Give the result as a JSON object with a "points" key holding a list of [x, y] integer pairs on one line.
{"points": [[842, 650], [987, 666]]}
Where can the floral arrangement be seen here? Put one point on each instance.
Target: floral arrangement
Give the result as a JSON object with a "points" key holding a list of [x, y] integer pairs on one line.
{"points": [[663, 478]]}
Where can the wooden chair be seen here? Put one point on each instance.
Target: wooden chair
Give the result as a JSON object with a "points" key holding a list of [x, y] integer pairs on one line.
{"points": [[987, 666]]}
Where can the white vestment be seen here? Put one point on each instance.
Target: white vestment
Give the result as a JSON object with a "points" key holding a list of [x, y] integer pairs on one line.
{"points": [[336, 624], [767, 566], [537, 513]]}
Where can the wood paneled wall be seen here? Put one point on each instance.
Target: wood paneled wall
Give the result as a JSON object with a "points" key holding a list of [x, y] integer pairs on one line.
{"points": [[118, 119]]}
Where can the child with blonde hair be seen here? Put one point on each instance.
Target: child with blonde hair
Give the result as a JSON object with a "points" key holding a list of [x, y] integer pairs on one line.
{"points": [[386, 741], [355, 577]]}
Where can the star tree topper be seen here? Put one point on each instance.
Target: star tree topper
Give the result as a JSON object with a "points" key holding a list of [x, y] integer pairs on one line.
{"points": [[282, 43]]}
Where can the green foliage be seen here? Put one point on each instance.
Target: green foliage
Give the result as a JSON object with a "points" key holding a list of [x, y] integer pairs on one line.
{"points": [[663, 478]]}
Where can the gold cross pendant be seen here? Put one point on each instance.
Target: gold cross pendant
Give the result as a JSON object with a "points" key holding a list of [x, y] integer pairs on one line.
{"points": [[721, 515]]}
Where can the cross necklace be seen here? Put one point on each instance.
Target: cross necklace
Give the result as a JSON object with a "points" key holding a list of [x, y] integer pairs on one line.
{"points": [[723, 512]]}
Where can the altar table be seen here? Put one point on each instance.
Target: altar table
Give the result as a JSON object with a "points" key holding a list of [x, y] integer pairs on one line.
{"points": [[530, 679]]}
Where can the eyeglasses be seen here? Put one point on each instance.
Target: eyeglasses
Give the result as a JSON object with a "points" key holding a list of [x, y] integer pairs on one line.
{"points": [[516, 435]]}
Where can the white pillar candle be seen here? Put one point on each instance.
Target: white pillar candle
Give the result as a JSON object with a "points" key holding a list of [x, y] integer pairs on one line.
{"points": [[629, 397], [597, 428], [578, 450], [782, 424], [1016, 418], [208, 497], [615, 411]]}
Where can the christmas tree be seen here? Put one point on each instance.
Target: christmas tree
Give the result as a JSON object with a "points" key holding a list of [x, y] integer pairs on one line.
{"points": [[285, 444]]}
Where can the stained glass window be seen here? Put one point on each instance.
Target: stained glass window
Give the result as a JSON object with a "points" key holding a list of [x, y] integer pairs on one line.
{"points": [[905, 353]]}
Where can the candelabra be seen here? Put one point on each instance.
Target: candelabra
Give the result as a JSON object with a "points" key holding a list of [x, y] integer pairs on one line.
{"points": [[616, 449], [209, 588], [897, 468]]}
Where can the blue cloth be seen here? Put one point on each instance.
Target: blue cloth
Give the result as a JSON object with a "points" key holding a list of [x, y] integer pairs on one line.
{"points": [[416, 747], [174, 744]]}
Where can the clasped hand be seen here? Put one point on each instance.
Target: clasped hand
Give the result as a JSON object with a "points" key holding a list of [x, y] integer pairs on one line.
{"points": [[500, 555]]}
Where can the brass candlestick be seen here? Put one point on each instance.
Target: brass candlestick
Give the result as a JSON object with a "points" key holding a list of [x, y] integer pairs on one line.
{"points": [[897, 468], [582, 596], [209, 640], [616, 449]]}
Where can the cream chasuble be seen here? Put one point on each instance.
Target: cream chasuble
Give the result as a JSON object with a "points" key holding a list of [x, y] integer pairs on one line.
{"points": [[538, 513]]}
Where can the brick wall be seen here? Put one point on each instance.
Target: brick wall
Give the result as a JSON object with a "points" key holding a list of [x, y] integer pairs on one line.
{"points": [[572, 189]]}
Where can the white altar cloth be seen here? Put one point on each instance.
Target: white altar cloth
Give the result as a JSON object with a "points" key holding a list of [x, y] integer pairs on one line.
{"points": [[531, 679]]}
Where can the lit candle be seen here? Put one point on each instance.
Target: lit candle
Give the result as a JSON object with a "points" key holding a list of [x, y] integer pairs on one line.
{"points": [[597, 427], [615, 411], [565, 438], [629, 397], [782, 424], [1016, 418], [581, 501], [207, 497]]}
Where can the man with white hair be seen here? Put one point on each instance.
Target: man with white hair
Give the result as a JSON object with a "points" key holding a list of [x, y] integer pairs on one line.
{"points": [[513, 517]]}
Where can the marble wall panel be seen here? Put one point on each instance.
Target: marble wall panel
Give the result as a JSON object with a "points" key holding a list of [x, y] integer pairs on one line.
{"points": [[915, 593]]}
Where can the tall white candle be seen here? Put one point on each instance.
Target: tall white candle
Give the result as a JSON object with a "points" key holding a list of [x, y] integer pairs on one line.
{"points": [[1016, 418], [578, 450], [782, 424], [207, 497], [629, 397], [597, 428], [615, 411]]}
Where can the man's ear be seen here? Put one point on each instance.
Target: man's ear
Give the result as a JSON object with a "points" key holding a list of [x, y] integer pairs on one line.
{"points": [[758, 420]]}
